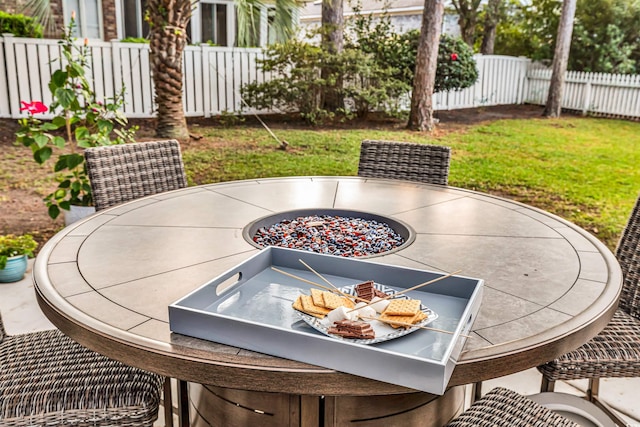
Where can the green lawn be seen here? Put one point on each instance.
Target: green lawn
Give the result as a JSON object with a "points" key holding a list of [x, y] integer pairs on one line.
{"points": [[583, 169]]}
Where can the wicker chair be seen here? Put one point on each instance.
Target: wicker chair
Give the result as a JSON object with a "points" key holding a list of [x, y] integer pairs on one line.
{"points": [[404, 160], [48, 379], [502, 407], [120, 173], [614, 352]]}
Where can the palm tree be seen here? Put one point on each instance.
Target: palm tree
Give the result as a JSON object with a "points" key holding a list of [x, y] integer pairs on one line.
{"points": [[248, 13], [168, 21]]}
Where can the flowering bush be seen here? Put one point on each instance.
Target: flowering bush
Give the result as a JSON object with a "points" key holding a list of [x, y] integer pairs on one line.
{"points": [[80, 121], [456, 67]]}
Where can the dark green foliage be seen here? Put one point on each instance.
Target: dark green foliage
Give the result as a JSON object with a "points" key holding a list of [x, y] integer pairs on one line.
{"points": [[19, 25], [373, 72], [456, 65], [397, 52], [298, 86], [606, 35]]}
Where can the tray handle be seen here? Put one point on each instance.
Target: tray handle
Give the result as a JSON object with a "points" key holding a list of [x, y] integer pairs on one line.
{"points": [[228, 281]]}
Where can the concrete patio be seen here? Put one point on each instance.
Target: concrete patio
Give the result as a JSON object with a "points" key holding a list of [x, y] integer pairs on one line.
{"points": [[21, 314]]}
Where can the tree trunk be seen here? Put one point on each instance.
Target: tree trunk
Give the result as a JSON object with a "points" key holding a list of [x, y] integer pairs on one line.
{"points": [[332, 42], [168, 24], [492, 17], [560, 59], [467, 19], [421, 115]]}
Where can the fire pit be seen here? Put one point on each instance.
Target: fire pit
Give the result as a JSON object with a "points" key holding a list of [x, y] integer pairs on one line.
{"points": [[330, 231]]}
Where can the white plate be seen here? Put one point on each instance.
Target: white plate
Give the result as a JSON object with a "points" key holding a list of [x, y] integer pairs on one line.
{"points": [[383, 331]]}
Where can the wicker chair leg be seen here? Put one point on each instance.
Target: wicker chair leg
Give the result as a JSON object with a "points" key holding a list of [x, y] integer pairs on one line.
{"points": [[593, 389], [167, 402], [547, 385], [476, 392], [183, 404]]}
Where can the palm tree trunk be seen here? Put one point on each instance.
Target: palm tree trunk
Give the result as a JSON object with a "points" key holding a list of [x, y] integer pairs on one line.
{"points": [[168, 22]]}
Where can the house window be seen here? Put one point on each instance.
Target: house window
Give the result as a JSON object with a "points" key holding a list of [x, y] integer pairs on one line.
{"points": [[214, 23], [88, 17], [133, 12]]}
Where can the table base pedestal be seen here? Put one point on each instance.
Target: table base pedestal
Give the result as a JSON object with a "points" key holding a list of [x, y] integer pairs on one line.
{"points": [[215, 406]]}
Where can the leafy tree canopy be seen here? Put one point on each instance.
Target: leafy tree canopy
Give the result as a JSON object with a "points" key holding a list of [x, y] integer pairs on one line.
{"points": [[606, 35]]}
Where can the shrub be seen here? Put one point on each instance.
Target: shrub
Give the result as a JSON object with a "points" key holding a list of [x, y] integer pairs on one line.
{"points": [[19, 25], [456, 66], [297, 85]]}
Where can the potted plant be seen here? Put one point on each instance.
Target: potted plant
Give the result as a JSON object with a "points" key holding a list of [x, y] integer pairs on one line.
{"points": [[14, 251], [81, 120]]}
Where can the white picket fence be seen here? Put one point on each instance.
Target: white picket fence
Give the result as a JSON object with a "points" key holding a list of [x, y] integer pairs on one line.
{"points": [[614, 95], [213, 77]]}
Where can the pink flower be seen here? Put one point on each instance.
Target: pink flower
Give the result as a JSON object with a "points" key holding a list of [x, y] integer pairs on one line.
{"points": [[454, 56], [34, 107]]}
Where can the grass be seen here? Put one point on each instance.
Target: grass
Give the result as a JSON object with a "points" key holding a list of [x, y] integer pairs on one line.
{"points": [[582, 169]]}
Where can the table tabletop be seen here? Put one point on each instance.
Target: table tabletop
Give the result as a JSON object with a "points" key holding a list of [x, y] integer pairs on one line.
{"points": [[107, 281]]}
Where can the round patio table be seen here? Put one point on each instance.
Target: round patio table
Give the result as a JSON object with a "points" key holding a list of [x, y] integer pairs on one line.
{"points": [[107, 282]]}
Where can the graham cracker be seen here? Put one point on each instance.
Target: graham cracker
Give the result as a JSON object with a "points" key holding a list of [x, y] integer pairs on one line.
{"points": [[403, 307], [309, 307], [298, 304], [317, 297], [332, 301], [418, 317]]}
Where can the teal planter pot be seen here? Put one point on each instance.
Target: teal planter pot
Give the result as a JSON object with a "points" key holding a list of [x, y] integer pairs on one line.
{"points": [[14, 270]]}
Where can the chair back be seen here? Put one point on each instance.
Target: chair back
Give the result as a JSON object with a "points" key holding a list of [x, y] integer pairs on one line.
{"points": [[404, 160], [120, 173], [628, 255]]}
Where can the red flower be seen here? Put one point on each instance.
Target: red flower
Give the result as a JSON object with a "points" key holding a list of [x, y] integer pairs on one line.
{"points": [[34, 107], [454, 56]]}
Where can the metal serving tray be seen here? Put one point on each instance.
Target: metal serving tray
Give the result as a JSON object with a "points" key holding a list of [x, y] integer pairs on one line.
{"points": [[249, 306]]}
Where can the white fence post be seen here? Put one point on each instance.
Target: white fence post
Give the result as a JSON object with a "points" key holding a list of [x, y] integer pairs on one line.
{"points": [[587, 99], [12, 76], [5, 98]]}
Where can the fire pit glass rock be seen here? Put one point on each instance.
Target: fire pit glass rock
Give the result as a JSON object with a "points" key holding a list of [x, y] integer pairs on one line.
{"points": [[334, 232]]}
